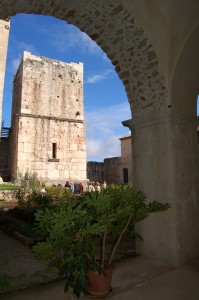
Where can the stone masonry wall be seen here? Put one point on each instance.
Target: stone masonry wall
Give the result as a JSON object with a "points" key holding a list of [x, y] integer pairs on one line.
{"points": [[48, 119], [95, 171], [4, 159], [126, 155], [51, 88], [113, 170]]}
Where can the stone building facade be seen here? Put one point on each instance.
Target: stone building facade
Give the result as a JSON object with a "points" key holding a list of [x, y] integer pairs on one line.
{"points": [[4, 35], [48, 130], [126, 158]]}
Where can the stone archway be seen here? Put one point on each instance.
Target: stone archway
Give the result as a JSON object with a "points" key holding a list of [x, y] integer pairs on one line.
{"points": [[158, 129], [116, 32]]}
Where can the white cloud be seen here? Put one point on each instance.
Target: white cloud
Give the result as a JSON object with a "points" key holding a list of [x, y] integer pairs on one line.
{"points": [[88, 44], [104, 129], [27, 47], [97, 150], [65, 38], [98, 77], [93, 147], [15, 64], [21, 47], [105, 57]]}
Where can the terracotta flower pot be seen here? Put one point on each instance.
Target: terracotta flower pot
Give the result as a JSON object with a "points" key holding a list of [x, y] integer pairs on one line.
{"points": [[99, 284]]}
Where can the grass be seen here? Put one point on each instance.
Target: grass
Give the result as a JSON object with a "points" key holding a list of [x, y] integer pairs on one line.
{"points": [[9, 187]]}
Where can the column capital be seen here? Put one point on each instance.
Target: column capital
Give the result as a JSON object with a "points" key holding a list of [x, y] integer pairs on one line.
{"points": [[163, 117]]}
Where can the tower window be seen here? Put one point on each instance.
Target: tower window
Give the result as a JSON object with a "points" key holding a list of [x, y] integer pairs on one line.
{"points": [[54, 150]]}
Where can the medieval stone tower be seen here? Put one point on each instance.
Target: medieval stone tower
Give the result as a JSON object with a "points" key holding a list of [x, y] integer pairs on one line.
{"points": [[48, 130], [4, 34]]}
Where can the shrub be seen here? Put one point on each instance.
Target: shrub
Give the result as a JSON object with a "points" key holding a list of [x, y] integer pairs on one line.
{"points": [[58, 193], [73, 226], [29, 184]]}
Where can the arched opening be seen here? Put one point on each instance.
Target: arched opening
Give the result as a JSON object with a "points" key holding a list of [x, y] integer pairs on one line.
{"points": [[135, 61], [105, 101], [159, 109], [128, 47]]}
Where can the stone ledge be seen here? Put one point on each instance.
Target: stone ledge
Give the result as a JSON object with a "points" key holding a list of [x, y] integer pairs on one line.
{"points": [[53, 160]]}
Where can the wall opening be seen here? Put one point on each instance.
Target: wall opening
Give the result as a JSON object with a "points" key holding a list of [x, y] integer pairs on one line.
{"points": [[54, 150]]}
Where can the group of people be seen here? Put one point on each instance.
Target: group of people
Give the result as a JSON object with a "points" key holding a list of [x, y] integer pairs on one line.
{"points": [[95, 186], [76, 187], [79, 188]]}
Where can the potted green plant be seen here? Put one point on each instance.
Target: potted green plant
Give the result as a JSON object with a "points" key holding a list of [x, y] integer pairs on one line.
{"points": [[74, 227]]}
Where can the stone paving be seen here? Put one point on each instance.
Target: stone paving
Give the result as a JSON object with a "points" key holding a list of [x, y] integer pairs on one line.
{"points": [[138, 278], [19, 266]]}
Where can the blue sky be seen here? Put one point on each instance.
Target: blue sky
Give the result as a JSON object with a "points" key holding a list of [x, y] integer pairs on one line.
{"points": [[105, 100]]}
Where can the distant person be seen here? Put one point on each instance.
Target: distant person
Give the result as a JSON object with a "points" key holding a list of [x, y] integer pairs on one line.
{"points": [[91, 187], [97, 187], [67, 184], [76, 188], [81, 187], [72, 187], [104, 185]]}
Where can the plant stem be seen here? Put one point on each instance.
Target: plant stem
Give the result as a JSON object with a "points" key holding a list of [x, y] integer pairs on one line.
{"points": [[103, 245], [119, 239]]}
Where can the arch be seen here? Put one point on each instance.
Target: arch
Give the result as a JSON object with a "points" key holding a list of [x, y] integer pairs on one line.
{"points": [[116, 32], [185, 81]]}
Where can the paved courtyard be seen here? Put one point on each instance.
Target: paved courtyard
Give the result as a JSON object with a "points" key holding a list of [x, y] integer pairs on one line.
{"points": [[137, 278]]}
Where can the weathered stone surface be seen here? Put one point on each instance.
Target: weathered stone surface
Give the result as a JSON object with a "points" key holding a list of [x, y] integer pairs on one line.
{"points": [[48, 121]]}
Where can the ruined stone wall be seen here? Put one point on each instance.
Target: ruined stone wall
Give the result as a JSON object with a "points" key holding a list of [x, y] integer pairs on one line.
{"points": [[4, 159], [126, 155], [48, 123], [113, 170], [110, 170], [95, 171], [4, 34]]}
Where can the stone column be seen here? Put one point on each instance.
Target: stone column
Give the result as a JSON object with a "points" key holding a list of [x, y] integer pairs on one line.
{"points": [[4, 34], [166, 169]]}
